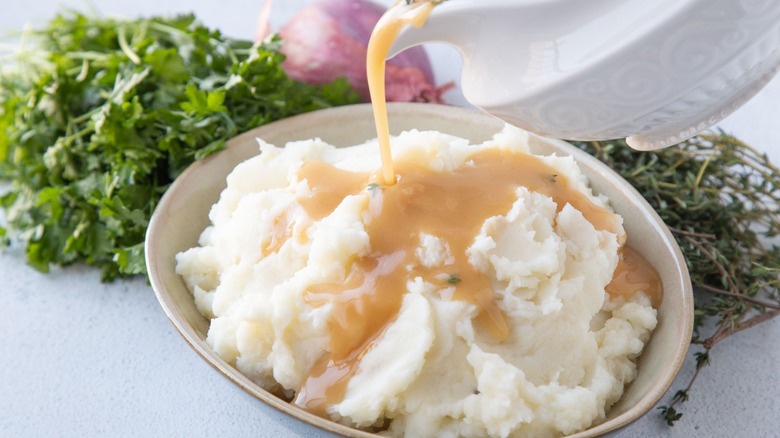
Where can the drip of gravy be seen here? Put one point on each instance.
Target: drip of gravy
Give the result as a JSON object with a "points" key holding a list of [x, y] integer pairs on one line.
{"points": [[283, 230], [634, 275]]}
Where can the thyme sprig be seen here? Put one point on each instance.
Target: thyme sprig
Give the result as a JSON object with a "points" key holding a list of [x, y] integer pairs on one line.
{"points": [[721, 200]]}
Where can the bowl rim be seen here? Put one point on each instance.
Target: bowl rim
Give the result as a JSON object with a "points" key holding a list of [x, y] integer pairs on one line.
{"points": [[188, 332]]}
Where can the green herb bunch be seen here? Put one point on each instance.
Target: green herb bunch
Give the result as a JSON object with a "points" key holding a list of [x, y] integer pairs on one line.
{"points": [[721, 200], [98, 116]]}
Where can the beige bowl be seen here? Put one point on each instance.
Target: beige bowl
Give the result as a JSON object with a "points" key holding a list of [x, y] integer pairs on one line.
{"points": [[183, 214]]}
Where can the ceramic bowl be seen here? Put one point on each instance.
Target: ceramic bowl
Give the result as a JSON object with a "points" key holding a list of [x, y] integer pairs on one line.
{"points": [[183, 213]]}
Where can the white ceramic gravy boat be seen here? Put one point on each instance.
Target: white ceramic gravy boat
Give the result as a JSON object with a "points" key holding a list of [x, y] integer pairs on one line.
{"points": [[654, 71]]}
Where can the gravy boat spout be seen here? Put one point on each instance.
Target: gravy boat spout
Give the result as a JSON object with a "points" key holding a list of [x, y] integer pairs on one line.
{"points": [[655, 72]]}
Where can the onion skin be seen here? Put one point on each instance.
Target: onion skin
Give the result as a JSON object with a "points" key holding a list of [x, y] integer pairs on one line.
{"points": [[329, 38]]}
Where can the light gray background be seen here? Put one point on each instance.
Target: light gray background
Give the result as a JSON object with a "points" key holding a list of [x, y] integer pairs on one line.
{"points": [[81, 358]]}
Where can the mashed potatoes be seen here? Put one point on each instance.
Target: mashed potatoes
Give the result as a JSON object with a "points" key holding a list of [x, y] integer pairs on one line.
{"points": [[433, 370]]}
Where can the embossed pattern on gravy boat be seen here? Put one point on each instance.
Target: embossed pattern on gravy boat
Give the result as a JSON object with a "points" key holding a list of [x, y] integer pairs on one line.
{"points": [[183, 213], [656, 71]]}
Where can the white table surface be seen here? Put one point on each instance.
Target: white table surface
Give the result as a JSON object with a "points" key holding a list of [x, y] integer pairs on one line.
{"points": [[81, 358]]}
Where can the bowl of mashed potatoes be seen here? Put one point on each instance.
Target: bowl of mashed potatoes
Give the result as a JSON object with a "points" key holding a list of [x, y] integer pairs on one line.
{"points": [[504, 285]]}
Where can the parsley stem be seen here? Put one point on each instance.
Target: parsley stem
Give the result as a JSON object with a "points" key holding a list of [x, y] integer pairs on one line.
{"points": [[122, 37]]}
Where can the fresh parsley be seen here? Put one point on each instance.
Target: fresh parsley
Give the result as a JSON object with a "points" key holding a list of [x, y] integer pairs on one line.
{"points": [[98, 116]]}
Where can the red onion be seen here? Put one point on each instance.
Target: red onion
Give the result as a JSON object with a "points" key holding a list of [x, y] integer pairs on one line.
{"points": [[328, 39]]}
